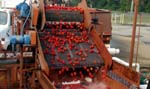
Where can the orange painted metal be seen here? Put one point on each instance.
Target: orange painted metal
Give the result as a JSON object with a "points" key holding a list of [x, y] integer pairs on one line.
{"points": [[49, 77], [3, 78], [44, 65], [101, 48], [33, 37], [8, 75], [44, 81], [35, 12], [87, 16], [128, 74], [136, 2], [113, 84], [104, 20]]}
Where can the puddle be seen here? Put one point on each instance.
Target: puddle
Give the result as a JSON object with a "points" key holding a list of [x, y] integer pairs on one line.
{"points": [[147, 29], [148, 43], [131, 36]]}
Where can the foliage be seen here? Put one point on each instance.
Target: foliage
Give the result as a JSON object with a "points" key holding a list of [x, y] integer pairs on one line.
{"points": [[117, 5]]}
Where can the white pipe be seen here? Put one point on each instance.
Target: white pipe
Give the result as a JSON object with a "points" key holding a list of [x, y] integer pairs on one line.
{"points": [[144, 86], [70, 83], [107, 45], [137, 65], [113, 51]]}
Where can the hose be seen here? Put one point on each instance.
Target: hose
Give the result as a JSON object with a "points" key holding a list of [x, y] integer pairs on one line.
{"points": [[22, 29]]}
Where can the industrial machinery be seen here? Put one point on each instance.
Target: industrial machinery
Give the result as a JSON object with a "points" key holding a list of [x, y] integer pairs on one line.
{"points": [[65, 52]]}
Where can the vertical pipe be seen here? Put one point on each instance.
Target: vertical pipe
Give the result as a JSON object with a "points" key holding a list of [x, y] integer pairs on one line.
{"points": [[131, 9], [21, 70], [133, 32], [138, 41]]}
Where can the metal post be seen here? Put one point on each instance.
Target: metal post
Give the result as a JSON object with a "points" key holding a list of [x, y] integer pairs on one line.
{"points": [[131, 9], [138, 41], [133, 32]]}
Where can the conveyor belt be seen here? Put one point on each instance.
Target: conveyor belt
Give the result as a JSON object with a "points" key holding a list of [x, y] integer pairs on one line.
{"points": [[8, 61], [64, 15], [93, 59]]}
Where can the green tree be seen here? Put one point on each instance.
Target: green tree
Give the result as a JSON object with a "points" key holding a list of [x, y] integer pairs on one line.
{"points": [[74, 2], [125, 5], [118, 5], [147, 6]]}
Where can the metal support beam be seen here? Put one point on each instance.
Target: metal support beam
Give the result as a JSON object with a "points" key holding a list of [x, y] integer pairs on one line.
{"points": [[136, 2]]}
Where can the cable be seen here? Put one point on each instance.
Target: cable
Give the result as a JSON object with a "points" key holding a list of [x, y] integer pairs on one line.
{"points": [[22, 29]]}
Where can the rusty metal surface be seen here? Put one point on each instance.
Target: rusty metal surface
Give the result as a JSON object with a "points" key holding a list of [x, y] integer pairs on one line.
{"points": [[131, 76], [107, 58], [136, 2], [87, 16], [44, 81], [104, 18], [119, 79]]}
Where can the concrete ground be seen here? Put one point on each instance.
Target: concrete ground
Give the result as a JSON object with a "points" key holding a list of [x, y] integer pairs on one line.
{"points": [[121, 37]]}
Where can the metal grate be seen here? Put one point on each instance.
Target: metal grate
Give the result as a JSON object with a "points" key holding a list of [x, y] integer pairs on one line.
{"points": [[92, 59], [121, 80]]}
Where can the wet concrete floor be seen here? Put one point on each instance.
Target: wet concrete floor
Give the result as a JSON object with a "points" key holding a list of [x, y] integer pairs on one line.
{"points": [[121, 38]]}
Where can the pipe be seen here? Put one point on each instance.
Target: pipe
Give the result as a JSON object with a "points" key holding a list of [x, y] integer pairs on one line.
{"points": [[113, 51], [107, 45], [136, 2], [137, 65], [72, 82], [144, 86], [22, 29]]}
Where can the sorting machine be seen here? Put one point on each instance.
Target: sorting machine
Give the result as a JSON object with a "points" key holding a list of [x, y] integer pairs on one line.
{"points": [[64, 52]]}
